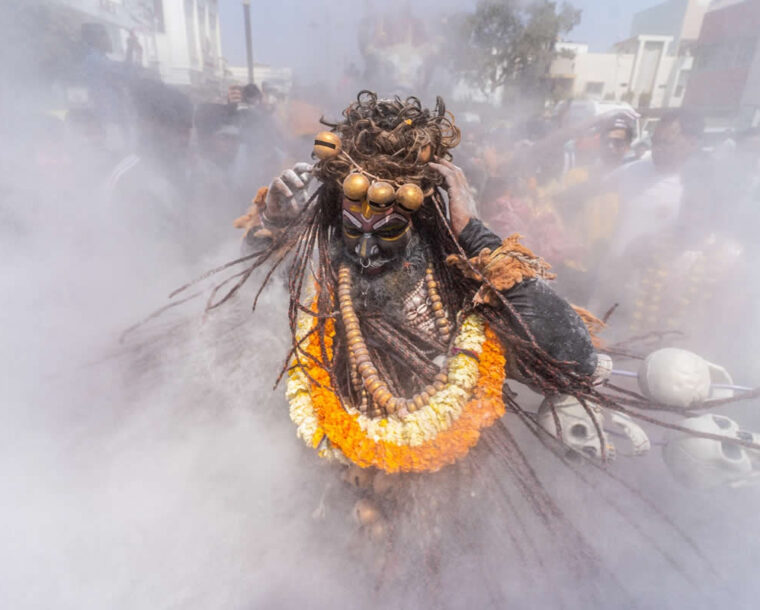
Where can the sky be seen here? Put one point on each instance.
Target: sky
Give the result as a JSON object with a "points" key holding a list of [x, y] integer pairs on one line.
{"points": [[292, 32]]}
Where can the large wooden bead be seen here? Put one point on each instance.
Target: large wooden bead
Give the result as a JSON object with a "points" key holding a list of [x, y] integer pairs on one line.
{"points": [[382, 397]]}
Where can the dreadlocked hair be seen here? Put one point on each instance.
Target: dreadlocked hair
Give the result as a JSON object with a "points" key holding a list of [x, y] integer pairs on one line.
{"points": [[392, 139], [389, 138]]}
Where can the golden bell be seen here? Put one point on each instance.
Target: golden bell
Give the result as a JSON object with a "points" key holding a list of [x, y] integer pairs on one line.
{"points": [[326, 145], [409, 197], [355, 186], [381, 195]]}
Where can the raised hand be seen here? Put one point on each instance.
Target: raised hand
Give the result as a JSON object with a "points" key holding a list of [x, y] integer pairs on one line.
{"points": [[462, 206], [288, 193]]}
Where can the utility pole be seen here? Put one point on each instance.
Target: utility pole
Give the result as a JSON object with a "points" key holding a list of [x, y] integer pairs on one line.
{"points": [[248, 42]]}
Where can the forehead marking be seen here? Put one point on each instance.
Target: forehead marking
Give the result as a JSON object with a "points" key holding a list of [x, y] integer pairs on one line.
{"points": [[386, 219], [374, 222], [350, 217]]}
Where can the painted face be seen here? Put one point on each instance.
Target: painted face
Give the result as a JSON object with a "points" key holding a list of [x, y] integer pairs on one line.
{"points": [[374, 240]]}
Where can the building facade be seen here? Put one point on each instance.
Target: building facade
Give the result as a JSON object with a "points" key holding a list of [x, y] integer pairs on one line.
{"points": [[179, 40], [649, 70], [725, 85]]}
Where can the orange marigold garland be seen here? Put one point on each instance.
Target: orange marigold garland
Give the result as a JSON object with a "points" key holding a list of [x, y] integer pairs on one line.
{"points": [[325, 424]]}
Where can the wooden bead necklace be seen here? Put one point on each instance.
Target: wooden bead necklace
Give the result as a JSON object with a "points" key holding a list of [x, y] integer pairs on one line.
{"points": [[364, 374]]}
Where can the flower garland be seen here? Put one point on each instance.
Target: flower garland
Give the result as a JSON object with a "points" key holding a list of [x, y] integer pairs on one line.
{"points": [[440, 433]]}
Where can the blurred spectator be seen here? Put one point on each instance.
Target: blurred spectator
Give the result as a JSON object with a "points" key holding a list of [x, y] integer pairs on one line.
{"points": [[651, 189], [664, 211], [615, 142], [222, 184], [217, 134], [738, 189], [106, 80], [588, 204], [149, 188], [260, 136]]}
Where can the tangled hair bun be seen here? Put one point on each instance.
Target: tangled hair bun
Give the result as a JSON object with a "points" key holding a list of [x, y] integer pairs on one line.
{"points": [[392, 139]]}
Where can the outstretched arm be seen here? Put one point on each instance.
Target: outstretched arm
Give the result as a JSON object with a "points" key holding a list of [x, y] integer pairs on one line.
{"points": [[557, 328], [275, 206]]}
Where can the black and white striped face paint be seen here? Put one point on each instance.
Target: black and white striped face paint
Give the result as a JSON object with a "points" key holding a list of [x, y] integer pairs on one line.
{"points": [[373, 239]]}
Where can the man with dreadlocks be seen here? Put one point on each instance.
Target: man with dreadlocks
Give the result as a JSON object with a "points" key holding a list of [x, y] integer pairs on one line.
{"points": [[415, 310], [406, 316]]}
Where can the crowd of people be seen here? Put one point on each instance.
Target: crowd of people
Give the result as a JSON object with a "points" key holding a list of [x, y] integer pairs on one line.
{"points": [[156, 160], [656, 228], [655, 235]]}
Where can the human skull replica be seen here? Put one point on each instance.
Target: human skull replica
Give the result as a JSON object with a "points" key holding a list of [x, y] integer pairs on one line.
{"points": [[680, 378], [639, 439], [705, 463], [579, 432], [603, 369]]}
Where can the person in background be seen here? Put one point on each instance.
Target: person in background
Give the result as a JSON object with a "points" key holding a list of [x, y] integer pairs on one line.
{"points": [[260, 136], [738, 188], [106, 80], [149, 188], [217, 134], [588, 203], [650, 190], [663, 213], [615, 142], [222, 184]]}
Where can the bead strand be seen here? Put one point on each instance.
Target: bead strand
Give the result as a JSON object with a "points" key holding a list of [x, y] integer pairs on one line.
{"points": [[441, 322], [384, 402]]}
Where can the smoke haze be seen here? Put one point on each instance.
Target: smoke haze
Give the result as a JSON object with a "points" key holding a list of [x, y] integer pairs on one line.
{"points": [[158, 468]]}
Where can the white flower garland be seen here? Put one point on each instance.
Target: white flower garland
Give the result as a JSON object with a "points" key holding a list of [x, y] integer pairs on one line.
{"points": [[443, 408]]}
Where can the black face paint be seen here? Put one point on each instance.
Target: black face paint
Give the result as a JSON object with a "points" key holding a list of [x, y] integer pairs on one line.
{"points": [[374, 240]]}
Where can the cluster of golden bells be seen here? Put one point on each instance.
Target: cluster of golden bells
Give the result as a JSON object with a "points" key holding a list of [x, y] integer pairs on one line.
{"points": [[357, 186]]}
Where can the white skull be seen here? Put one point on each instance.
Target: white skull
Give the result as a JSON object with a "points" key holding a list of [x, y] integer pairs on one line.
{"points": [[579, 432], [721, 376], [675, 377], [637, 436], [704, 463], [576, 425], [603, 369], [680, 378]]}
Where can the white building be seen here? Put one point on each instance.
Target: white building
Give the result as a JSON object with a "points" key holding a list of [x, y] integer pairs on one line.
{"points": [[649, 70], [579, 74], [188, 42], [180, 39]]}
